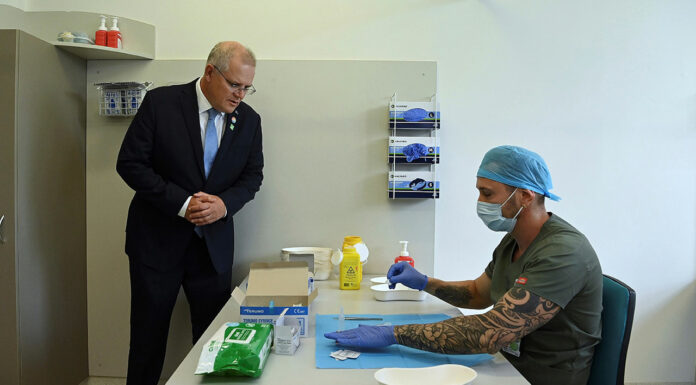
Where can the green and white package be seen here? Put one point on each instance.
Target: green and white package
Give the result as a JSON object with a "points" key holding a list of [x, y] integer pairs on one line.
{"points": [[237, 349]]}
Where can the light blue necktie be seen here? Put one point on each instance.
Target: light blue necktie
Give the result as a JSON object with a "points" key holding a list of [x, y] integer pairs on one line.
{"points": [[209, 150], [211, 142]]}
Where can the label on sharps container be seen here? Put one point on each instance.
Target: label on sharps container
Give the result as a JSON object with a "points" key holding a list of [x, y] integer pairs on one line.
{"points": [[351, 274]]}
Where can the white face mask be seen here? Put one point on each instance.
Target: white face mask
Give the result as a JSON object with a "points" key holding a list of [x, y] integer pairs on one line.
{"points": [[492, 215]]}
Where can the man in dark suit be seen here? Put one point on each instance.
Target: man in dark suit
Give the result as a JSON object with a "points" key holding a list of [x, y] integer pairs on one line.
{"points": [[193, 155]]}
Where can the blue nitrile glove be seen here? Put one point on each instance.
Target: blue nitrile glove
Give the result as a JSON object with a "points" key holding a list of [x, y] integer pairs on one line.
{"points": [[405, 274], [365, 336], [414, 151]]}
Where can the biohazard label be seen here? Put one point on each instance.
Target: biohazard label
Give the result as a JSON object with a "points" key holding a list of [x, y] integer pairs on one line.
{"points": [[350, 276]]}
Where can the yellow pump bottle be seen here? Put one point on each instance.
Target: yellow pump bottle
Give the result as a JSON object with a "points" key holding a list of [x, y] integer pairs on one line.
{"points": [[351, 270]]}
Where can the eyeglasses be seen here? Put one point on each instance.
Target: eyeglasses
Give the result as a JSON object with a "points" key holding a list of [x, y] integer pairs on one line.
{"points": [[248, 90]]}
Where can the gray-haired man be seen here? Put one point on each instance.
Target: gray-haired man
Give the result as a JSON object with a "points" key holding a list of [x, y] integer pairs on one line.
{"points": [[193, 155]]}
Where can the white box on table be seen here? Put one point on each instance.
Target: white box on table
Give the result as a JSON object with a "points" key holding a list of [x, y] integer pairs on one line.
{"points": [[286, 284]]}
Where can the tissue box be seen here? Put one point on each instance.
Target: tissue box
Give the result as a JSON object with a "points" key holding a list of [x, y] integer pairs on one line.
{"points": [[284, 283]]}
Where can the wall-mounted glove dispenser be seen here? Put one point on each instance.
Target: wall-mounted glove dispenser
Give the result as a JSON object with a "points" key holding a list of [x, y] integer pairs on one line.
{"points": [[413, 184], [414, 149]]}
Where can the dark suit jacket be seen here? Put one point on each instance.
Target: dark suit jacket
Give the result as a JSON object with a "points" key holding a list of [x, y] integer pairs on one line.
{"points": [[161, 158]]}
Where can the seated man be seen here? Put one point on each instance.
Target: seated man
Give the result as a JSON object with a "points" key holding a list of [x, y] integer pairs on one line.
{"points": [[544, 282]]}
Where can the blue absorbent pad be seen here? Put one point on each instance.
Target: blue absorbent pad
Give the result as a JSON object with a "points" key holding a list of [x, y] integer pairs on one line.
{"points": [[395, 356]]}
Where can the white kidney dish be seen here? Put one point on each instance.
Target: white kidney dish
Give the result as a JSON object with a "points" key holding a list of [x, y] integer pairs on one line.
{"points": [[399, 293], [378, 280], [435, 375]]}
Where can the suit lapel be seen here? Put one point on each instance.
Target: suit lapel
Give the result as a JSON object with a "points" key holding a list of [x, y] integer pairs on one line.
{"points": [[233, 122], [189, 106], [230, 128]]}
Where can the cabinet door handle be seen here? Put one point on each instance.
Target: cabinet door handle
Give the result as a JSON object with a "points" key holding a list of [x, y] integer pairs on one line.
{"points": [[2, 229]]}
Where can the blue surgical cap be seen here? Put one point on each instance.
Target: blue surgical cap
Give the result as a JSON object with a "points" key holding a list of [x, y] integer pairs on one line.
{"points": [[517, 167]]}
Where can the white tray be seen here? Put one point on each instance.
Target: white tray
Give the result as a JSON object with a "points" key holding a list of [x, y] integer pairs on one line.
{"points": [[382, 292], [435, 375]]}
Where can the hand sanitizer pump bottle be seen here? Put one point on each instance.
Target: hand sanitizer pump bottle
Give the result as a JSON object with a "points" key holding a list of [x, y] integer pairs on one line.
{"points": [[100, 35], [404, 255], [114, 35]]}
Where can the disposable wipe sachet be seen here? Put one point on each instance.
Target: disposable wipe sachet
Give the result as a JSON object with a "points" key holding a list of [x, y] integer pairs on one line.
{"points": [[237, 349]]}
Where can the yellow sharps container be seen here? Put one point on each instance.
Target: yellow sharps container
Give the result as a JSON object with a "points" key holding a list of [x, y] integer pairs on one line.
{"points": [[351, 240], [351, 269]]}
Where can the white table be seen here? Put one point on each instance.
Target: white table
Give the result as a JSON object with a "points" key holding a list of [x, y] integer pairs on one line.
{"points": [[300, 368]]}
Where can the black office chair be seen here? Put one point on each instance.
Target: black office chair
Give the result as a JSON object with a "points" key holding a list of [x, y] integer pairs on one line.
{"points": [[619, 303]]}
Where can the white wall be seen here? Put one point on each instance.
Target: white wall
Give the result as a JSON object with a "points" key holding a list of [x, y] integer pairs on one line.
{"points": [[21, 4], [605, 91]]}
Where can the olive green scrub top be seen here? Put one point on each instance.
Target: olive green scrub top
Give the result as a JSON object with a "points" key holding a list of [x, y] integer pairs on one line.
{"points": [[560, 266]]}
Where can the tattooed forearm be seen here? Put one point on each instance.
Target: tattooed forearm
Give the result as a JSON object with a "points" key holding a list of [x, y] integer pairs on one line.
{"points": [[444, 337], [472, 294], [516, 314], [455, 296]]}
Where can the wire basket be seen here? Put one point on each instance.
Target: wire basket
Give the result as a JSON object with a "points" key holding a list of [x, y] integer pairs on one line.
{"points": [[121, 98]]}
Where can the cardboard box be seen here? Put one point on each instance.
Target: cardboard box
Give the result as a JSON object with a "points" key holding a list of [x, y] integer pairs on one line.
{"points": [[286, 336], [286, 284]]}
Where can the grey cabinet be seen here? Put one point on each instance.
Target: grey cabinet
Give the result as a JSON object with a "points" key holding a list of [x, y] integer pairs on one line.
{"points": [[43, 289]]}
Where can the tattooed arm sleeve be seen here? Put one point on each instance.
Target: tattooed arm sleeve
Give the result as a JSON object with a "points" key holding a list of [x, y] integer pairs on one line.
{"points": [[474, 294], [518, 313]]}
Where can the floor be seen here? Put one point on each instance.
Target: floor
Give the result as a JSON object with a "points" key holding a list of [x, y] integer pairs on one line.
{"points": [[108, 381]]}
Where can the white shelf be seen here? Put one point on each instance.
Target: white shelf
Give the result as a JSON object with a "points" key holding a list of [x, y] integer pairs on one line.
{"points": [[96, 52], [138, 37]]}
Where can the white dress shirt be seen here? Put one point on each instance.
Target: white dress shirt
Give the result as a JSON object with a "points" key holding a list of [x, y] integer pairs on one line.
{"points": [[203, 107]]}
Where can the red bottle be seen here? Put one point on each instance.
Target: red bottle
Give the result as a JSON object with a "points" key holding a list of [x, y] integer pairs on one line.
{"points": [[100, 35], [404, 257], [113, 39]]}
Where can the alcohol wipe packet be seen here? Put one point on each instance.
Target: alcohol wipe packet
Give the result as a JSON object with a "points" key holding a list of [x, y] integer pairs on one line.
{"points": [[237, 349]]}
